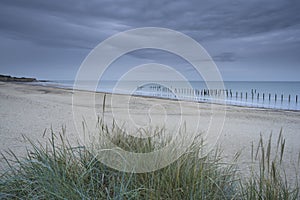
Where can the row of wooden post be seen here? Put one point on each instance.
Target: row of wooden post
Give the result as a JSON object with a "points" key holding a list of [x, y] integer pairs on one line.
{"points": [[228, 93], [253, 94]]}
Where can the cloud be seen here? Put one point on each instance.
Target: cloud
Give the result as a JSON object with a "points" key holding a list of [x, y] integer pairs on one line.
{"points": [[225, 57], [230, 30], [84, 23]]}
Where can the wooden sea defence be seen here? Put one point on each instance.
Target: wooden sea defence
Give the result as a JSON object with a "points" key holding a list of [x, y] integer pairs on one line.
{"points": [[192, 93]]}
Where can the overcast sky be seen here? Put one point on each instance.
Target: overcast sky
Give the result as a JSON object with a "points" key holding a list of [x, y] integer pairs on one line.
{"points": [[248, 40]]}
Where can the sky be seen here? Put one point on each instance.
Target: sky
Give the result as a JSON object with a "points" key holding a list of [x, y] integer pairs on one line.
{"points": [[248, 40]]}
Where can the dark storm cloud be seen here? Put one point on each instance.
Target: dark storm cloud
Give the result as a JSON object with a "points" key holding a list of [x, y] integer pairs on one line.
{"points": [[55, 24], [232, 31], [85, 23]]}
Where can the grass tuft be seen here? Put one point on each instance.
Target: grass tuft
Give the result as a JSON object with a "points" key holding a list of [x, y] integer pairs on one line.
{"points": [[59, 170]]}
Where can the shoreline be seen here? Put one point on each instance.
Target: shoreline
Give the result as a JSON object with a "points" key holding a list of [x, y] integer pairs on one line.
{"points": [[163, 98]]}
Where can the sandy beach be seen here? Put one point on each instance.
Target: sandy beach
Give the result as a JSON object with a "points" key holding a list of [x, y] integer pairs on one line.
{"points": [[29, 109]]}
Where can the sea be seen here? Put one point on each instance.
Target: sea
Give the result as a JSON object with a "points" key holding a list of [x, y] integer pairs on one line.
{"points": [[282, 95]]}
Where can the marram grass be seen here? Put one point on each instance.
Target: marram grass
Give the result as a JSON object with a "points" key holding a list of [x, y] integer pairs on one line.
{"points": [[269, 180], [62, 171]]}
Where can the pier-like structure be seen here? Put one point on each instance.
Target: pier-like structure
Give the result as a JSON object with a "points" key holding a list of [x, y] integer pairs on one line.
{"points": [[197, 94]]}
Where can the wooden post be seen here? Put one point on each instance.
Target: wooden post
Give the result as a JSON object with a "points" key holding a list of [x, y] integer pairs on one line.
{"points": [[263, 96], [296, 98], [275, 97], [282, 98], [269, 97]]}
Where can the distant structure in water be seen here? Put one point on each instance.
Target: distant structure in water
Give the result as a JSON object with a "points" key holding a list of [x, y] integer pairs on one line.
{"points": [[252, 98], [156, 90]]}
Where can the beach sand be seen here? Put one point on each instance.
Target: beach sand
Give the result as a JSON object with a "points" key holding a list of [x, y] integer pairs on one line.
{"points": [[29, 109]]}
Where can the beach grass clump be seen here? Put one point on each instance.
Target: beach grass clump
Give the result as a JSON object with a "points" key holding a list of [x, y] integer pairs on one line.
{"points": [[268, 178], [59, 170]]}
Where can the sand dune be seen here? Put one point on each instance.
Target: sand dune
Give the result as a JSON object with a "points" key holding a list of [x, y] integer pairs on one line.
{"points": [[29, 109]]}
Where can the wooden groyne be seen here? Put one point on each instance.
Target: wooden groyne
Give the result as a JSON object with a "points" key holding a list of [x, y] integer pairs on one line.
{"points": [[187, 93]]}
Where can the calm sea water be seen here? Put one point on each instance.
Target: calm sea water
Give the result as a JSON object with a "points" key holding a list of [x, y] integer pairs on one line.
{"points": [[259, 94]]}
